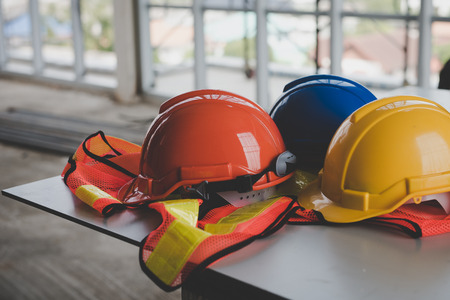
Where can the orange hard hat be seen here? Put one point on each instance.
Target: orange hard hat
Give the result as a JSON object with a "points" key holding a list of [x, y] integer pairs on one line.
{"points": [[209, 141]]}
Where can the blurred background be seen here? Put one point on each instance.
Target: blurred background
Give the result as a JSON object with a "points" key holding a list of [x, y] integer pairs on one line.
{"points": [[158, 48], [71, 67]]}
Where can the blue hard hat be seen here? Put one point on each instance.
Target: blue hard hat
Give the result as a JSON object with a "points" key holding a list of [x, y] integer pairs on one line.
{"points": [[311, 109]]}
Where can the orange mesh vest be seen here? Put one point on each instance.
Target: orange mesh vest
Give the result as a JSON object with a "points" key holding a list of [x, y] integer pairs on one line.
{"points": [[99, 167], [417, 220], [182, 244]]}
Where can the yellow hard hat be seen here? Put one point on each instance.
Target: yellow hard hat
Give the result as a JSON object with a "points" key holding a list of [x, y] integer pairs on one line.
{"points": [[385, 153]]}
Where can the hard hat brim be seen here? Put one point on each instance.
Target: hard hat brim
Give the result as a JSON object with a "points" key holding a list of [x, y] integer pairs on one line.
{"points": [[311, 197]]}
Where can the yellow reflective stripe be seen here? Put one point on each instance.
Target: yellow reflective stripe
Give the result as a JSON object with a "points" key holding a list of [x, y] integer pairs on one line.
{"points": [[185, 210], [90, 193], [220, 228], [228, 224], [174, 249]]}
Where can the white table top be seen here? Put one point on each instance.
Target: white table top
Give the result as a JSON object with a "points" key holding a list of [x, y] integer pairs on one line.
{"points": [[299, 261], [344, 262], [53, 196]]}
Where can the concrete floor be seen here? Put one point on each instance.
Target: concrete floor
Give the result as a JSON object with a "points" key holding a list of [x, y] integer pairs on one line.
{"points": [[43, 256]]}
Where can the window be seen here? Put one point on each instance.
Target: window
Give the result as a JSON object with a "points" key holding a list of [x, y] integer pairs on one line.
{"points": [[249, 47], [62, 40]]}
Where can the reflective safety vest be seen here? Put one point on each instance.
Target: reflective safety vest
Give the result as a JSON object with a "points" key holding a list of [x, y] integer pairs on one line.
{"points": [[99, 168], [417, 220], [182, 244]]}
